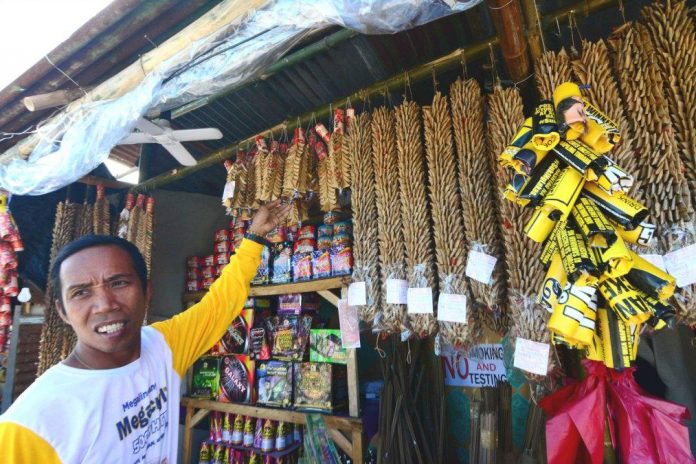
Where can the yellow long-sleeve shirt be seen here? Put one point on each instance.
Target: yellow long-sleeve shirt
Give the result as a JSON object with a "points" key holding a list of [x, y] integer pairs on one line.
{"points": [[129, 414]]}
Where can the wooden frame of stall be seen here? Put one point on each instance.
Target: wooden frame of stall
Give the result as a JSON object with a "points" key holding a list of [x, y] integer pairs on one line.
{"points": [[345, 431]]}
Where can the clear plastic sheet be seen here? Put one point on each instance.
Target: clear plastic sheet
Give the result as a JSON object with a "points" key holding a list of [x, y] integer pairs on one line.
{"points": [[75, 143]]}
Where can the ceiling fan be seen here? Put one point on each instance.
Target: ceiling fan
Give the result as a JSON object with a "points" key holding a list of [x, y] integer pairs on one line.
{"points": [[160, 131]]}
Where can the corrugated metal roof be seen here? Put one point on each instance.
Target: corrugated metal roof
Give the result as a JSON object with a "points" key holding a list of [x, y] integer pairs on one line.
{"points": [[108, 43]]}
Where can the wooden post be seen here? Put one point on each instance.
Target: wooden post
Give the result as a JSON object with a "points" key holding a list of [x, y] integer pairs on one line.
{"points": [[358, 446], [353, 382], [188, 435]]}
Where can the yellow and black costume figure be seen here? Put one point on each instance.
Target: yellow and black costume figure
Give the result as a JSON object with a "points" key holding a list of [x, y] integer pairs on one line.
{"points": [[598, 291]]}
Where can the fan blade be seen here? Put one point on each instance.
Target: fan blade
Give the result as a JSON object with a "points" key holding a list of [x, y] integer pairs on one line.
{"points": [[187, 135], [180, 153], [150, 127], [137, 137]]}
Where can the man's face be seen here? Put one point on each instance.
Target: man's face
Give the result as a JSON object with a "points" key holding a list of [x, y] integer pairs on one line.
{"points": [[104, 302]]}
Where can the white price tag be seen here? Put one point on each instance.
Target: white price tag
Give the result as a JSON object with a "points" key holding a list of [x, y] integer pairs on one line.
{"points": [[357, 294], [397, 290], [420, 300], [480, 266], [228, 191], [682, 265], [452, 308], [655, 260], [531, 356]]}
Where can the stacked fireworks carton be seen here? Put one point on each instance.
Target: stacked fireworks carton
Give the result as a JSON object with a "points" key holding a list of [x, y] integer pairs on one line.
{"points": [[201, 271], [296, 254]]}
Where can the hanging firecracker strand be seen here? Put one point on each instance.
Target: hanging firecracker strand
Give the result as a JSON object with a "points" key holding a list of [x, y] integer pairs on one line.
{"points": [[448, 230], [593, 69], [664, 189], [415, 216], [673, 35], [101, 216], [551, 69], [476, 184], [389, 226], [364, 209]]}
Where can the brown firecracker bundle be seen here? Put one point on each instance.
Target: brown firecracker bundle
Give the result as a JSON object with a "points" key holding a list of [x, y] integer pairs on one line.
{"points": [[476, 185], [261, 173], [54, 333], [268, 172], [249, 200], [593, 68], [524, 272], [135, 219], [364, 209], [346, 159], [662, 130], [415, 216], [320, 139], [448, 230], [295, 177], [276, 166], [673, 35], [232, 193], [551, 69], [665, 190], [390, 230], [101, 216], [523, 269], [337, 178]]}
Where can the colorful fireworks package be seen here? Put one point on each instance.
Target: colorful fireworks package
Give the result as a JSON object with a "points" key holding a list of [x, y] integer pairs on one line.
{"points": [[274, 383], [237, 379]]}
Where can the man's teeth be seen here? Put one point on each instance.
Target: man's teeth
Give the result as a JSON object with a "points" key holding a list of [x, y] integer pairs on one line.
{"points": [[111, 328]]}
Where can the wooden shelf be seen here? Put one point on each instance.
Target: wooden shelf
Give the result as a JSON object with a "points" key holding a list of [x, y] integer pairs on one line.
{"points": [[283, 289], [346, 432], [346, 423]]}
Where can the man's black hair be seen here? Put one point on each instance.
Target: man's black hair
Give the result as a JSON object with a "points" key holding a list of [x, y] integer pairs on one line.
{"points": [[89, 241]]}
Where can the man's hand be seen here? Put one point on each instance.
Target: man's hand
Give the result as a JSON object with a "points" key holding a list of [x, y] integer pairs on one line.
{"points": [[268, 217]]}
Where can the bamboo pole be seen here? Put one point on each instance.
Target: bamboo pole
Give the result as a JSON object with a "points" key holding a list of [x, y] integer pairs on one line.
{"points": [[418, 73], [507, 19], [207, 27], [533, 28]]}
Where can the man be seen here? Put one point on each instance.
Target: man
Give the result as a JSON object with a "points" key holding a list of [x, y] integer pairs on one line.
{"points": [[115, 397]]}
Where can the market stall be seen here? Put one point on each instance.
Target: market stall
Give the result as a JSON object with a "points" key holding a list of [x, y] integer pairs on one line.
{"points": [[484, 235]]}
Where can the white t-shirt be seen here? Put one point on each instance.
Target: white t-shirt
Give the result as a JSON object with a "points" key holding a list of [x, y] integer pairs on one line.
{"points": [[126, 417]]}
